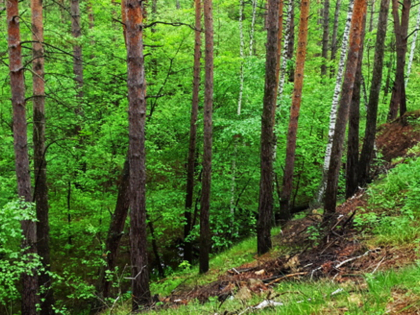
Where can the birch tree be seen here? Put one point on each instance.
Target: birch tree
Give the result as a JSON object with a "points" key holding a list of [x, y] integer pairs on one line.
{"points": [[333, 113], [343, 110], [413, 48], [286, 55]]}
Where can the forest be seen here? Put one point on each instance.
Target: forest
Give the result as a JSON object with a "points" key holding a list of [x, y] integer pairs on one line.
{"points": [[140, 138]]}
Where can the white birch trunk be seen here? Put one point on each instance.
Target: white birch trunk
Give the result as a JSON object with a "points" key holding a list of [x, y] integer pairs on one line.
{"points": [[284, 53], [413, 47], [251, 36], [333, 113]]}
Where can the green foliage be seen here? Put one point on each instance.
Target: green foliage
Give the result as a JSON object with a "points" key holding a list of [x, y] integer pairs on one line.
{"points": [[14, 260], [394, 205]]}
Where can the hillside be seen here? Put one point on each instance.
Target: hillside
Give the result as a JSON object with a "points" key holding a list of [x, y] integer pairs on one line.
{"points": [[366, 263]]}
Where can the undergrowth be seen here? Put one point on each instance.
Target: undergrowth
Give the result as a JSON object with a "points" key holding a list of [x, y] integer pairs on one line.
{"points": [[391, 218]]}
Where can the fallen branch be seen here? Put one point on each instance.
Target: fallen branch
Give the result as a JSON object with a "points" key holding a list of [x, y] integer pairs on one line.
{"points": [[287, 276], [351, 259], [376, 268]]}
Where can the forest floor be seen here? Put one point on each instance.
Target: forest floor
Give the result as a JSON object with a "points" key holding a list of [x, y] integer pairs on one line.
{"points": [[338, 259]]}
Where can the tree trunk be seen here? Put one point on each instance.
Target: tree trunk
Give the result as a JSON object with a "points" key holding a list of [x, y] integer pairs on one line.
{"points": [[265, 206], [398, 99], [279, 39], [40, 164], [251, 36], [155, 249], [413, 47], [375, 89], [343, 110], [116, 228], [333, 114], [17, 84], [354, 120], [193, 134], [294, 111], [76, 32], [287, 55], [205, 237], [136, 157], [325, 36]]}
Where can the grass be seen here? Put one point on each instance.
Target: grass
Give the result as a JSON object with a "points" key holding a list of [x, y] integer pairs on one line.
{"points": [[239, 254], [389, 291], [390, 220]]}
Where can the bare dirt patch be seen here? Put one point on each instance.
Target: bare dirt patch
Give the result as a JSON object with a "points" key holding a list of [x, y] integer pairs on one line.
{"points": [[394, 139]]}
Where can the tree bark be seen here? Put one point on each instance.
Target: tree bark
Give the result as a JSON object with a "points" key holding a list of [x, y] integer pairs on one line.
{"points": [[252, 31], [325, 36], [375, 89], [353, 132], [265, 206], [287, 54], [40, 164], [398, 99], [294, 112], [17, 84], [333, 113], [116, 228], [413, 47], [137, 117], [205, 237], [343, 110], [193, 134]]}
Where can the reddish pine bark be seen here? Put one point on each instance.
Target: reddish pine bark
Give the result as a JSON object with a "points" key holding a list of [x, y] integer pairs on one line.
{"points": [[343, 111], [17, 84], [136, 157], [294, 111], [208, 126], [41, 189], [352, 167], [265, 206]]}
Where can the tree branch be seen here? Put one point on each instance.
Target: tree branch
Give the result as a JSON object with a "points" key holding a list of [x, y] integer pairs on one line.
{"points": [[176, 24]]}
